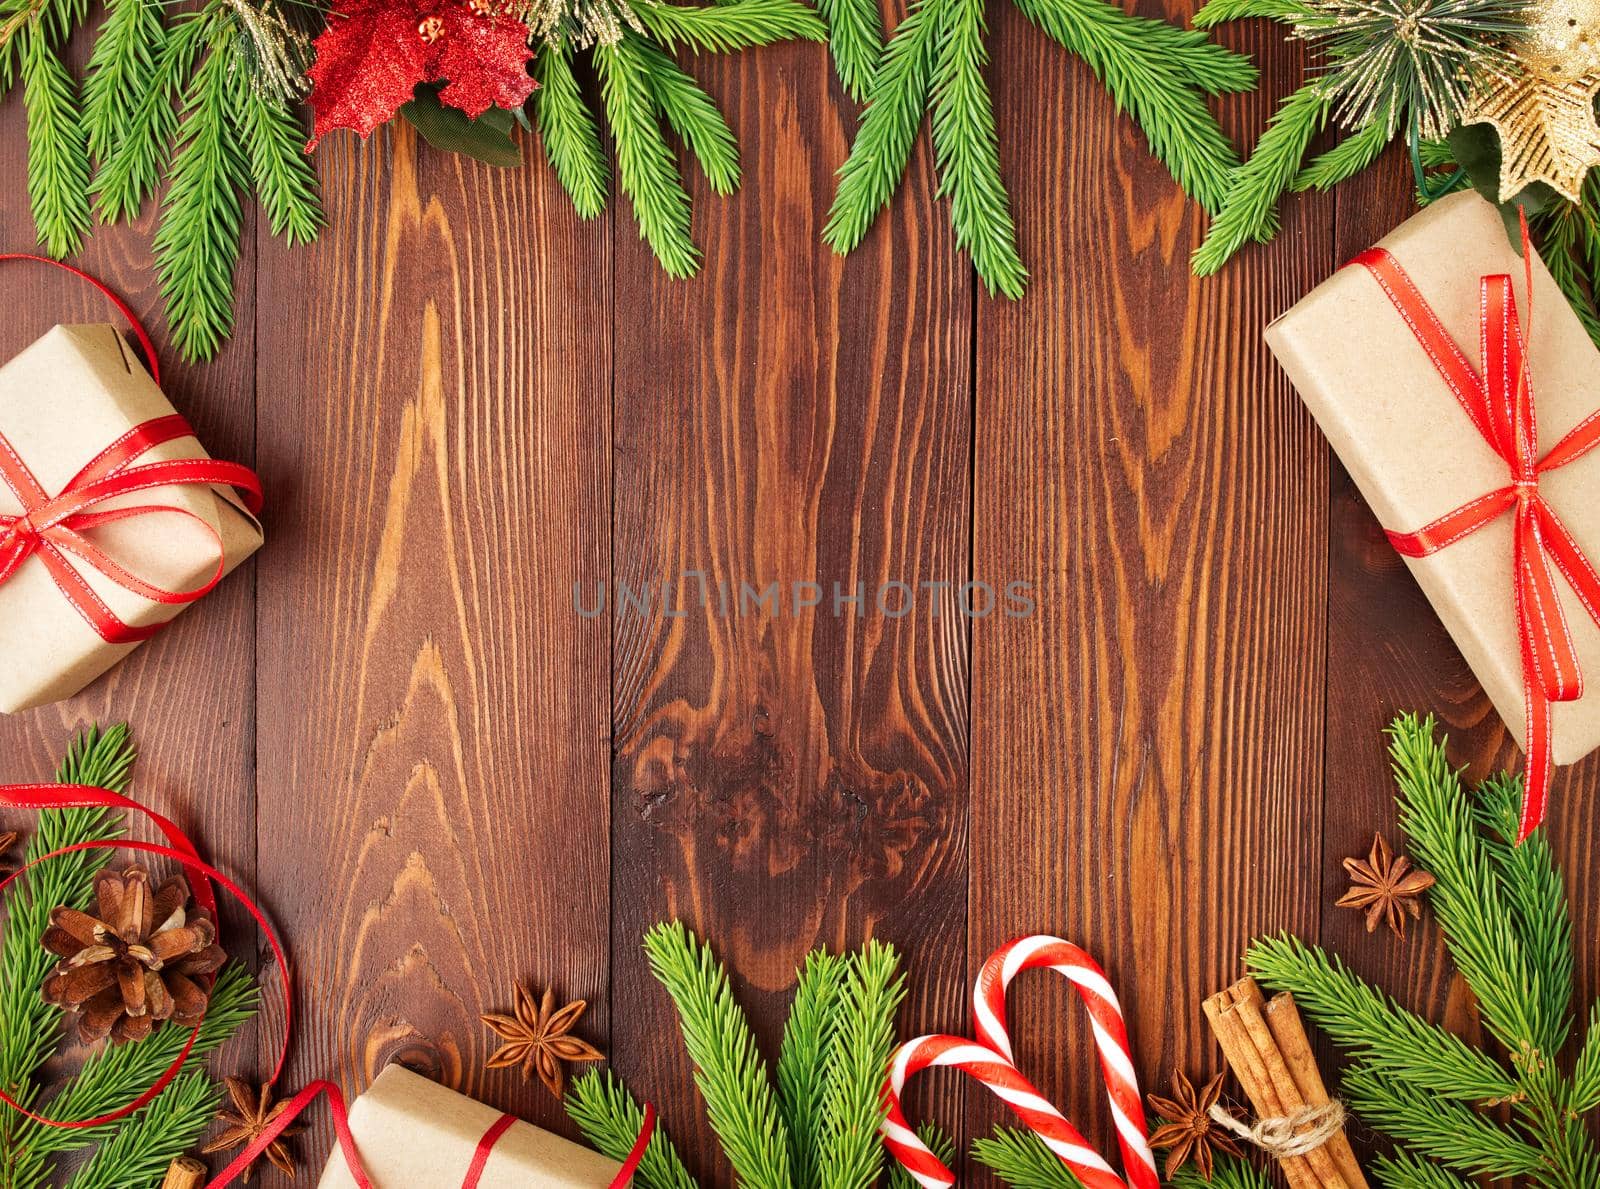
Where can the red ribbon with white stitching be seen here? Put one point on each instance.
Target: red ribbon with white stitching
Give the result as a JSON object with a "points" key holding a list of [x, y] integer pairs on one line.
{"points": [[990, 1060], [206, 879], [1499, 402], [55, 528]]}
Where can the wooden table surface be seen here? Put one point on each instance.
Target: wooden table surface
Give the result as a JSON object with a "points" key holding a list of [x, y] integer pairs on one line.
{"points": [[463, 400]]}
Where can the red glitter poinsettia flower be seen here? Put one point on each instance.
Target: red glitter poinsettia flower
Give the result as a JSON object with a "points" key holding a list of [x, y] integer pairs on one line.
{"points": [[373, 54]]}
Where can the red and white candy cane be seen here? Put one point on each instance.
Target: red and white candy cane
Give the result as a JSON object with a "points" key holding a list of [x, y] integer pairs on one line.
{"points": [[991, 1061]]}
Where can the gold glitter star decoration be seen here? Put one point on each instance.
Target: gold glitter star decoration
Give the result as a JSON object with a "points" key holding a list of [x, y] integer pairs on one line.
{"points": [[1543, 106]]}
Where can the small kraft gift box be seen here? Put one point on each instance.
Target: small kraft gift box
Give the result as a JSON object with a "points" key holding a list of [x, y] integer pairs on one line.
{"points": [[112, 515], [413, 1133], [1466, 413]]}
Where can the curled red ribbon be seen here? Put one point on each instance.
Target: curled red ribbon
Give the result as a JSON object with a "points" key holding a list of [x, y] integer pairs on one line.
{"points": [[1500, 404], [53, 527], [207, 878]]}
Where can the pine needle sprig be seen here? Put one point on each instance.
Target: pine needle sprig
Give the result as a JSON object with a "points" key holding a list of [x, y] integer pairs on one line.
{"points": [[1228, 1172], [197, 243], [808, 1036], [855, 38], [853, 1108], [114, 1075], [877, 160], [58, 151], [1406, 1170], [280, 169], [645, 164], [570, 136], [690, 113], [137, 156], [1160, 75], [1020, 1159], [1346, 159], [611, 1121], [126, 49], [139, 1152], [729, 1071], [735, 25], [27, 1024], [1586, 1070], [1250, 210], [967, 146]]}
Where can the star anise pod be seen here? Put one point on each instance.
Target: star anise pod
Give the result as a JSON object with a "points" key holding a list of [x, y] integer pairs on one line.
{"points": [[539, 1039], [1385, 887], [1190, 1133], [252, 1113], [139, 960]]}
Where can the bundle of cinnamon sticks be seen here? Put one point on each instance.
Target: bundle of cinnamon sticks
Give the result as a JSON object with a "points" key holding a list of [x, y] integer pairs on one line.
{"points": [[1266, 1045]]}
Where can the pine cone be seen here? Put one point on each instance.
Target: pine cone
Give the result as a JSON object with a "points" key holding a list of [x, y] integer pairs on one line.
{"points": [[136, 962]]}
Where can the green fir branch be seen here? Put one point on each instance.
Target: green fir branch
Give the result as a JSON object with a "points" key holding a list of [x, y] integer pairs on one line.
{"points": [[1586, 1070], [967, 147], [1152, 70], [1020, 1159], [808, 1035], [1449, 1132], [1481, 930], [568, 132], [58, 152], [693, 116], [723, 28], [1395, 1042], [1218, 12], [1407, 1170], [138, 155], [611, 1121], [141, 1149], [280, 169], [1346, 159], [895, 108], [855, 38], [126, 49], [114, 1075], [732, 1078], [645, 164], [1228, 1172], [197, 244], [1249, 212], [853, 1107]]}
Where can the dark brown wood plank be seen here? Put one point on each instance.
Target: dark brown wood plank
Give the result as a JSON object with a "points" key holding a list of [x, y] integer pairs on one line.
{"points": [[1147, 748], [433, 716], [800, 780], [1388, 653]]}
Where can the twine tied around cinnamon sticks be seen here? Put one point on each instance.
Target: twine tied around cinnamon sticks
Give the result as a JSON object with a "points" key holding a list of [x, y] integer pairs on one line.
{"points": [[1265, 1044]]}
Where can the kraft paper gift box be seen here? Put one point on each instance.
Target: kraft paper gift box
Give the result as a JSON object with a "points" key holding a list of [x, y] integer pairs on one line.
{"points": [[63, 400], [413, 1133], [1416, 454]]}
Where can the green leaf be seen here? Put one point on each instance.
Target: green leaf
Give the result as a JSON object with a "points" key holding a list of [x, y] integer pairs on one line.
{"points": [[1020, 1159], [855, 37], [1586, 1073], [58, 150], [131, 40], [802, 1061], [723, 28], [693, 116], [280, 169], [611, 1121], [487, 138], [645, 164], [968, 149], [569, 134], [144, 1145], [1249, 212], [1449, 1132], [853, 1108], [1217, 12], [1346, 159], [740, 1104], [895, 108], [1407, 1170]]}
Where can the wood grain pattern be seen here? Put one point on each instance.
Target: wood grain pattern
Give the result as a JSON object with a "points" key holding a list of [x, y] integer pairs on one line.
{"points": [[788, 780], [432, 752], [1146, 750], [465, 402]]}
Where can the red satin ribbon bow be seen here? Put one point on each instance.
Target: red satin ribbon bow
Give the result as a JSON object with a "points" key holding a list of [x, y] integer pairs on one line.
{"points": [[52, 527], [1500, 404], [206, 879]]}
